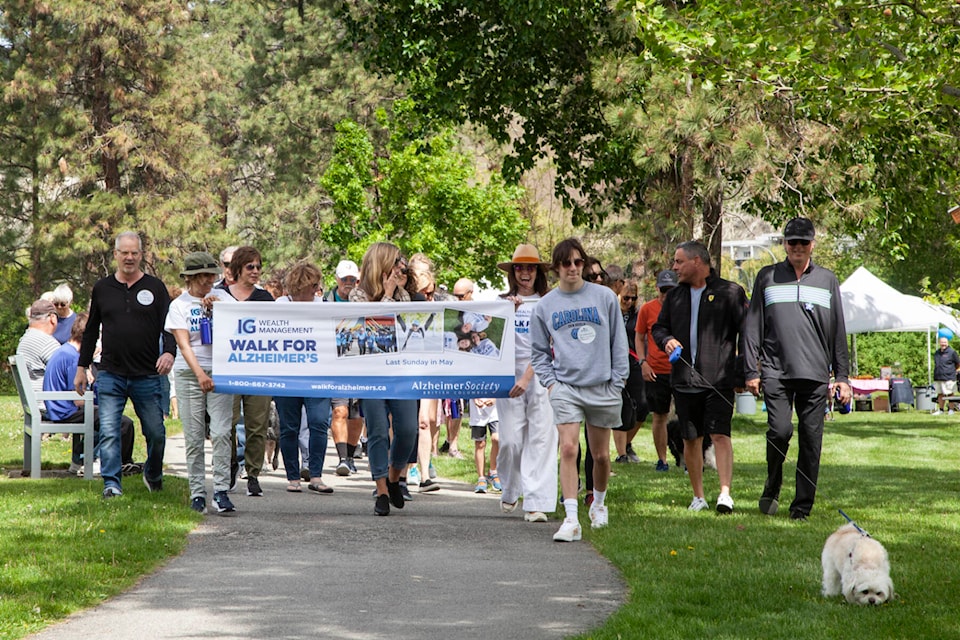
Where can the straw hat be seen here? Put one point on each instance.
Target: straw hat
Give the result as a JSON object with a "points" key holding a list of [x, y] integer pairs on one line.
{"points": [[524, 254]]}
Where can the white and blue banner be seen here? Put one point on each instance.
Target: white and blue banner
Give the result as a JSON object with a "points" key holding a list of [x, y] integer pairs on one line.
{"points": [[364, 350]]}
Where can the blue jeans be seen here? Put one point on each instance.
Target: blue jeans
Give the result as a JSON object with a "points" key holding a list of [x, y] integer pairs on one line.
{"points": [[144, 392], [318, 422], [384, 453]]}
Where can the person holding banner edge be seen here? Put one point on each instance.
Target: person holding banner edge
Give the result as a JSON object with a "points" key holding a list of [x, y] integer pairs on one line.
{"points": [[527, 458], [191, 369], [382, 272]]}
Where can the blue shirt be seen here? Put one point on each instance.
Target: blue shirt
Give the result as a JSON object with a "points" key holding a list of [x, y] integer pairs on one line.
{"points": [[59, 377]]}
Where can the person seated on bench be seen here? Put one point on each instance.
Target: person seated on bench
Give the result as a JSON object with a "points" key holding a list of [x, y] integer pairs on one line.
{"points": [[37, 344], [946, 364], [59, 375]]}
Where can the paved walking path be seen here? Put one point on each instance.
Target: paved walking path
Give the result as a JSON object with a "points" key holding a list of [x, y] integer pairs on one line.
{"points": [[290, 565]]}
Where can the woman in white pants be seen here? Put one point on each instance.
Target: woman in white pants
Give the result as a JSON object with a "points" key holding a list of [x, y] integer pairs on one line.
{"points": [[527, 460]]}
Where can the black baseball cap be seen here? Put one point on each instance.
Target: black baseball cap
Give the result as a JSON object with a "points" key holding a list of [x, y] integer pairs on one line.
{"points": [[799, 229]]}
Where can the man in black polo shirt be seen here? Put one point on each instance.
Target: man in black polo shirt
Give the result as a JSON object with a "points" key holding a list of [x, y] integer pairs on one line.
{"points": [[795, 338], [130, 307]]}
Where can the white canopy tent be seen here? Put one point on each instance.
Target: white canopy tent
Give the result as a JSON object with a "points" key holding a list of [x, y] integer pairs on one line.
{"points": [[870, 304]]}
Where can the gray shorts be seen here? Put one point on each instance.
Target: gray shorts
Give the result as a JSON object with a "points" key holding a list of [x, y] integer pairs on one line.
{"points": [[599, 405], [353, 405]]}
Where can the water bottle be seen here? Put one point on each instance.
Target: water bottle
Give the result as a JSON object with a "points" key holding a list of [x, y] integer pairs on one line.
{"points": [[206, 330]]}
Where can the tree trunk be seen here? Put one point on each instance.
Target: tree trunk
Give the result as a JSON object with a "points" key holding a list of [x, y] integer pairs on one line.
{"points": [[713, 226], [100, 109]]}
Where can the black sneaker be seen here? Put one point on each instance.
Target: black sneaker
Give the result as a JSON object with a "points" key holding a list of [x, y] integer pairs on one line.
{"points": [[382, 505], [199, 504], [405, 490], [352, 465], [622, 459], [445, 447], [153, 485], [253, 487], [396, 496], [363, 447], [343, 469], [222, 500], [131, 469], [798, 515], [426, 486], [768, 505]]}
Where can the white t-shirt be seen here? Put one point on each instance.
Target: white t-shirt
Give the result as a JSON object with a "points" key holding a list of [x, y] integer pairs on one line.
{"points": [[185, 313], [521, 324], [482, 416], [287, 299]]}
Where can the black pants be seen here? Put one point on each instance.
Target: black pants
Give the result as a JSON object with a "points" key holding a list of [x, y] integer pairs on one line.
{"points": [[809, 399], [126, 436]]}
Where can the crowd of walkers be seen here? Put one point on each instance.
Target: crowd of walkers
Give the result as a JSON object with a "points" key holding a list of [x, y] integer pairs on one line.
{"points": [[591, 362]]}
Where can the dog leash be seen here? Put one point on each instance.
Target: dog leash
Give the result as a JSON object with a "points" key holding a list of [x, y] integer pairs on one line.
{"points": [[855, 525], [676, 355]]}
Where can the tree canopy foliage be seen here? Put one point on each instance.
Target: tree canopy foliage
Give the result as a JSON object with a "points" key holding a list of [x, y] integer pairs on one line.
{"points": [[842, 111]]}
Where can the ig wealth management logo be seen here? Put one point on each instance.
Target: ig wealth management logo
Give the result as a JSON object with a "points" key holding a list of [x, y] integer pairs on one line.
{"points": [[246, 326]]}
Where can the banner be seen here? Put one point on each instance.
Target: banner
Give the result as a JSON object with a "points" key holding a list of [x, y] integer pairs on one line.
{"points": [[364, 350]]}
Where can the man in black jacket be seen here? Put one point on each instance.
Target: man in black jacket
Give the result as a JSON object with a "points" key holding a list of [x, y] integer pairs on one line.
{"points": [[795, 339], [703, 317]]}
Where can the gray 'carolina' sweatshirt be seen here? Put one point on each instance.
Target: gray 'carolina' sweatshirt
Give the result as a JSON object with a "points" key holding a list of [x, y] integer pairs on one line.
{"points": [[578, 338]]}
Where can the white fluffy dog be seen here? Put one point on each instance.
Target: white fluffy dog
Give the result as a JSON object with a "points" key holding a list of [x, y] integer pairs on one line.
{"points": [[857, 566]]}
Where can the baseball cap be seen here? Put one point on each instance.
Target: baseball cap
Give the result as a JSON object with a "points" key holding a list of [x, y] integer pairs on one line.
{"points": [[667, 279], [799, 229], [346, 268], [41, 309]]}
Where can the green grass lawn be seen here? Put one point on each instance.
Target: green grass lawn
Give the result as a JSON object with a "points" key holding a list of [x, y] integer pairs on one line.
{"points": [[747, 575], [689, 575], [62, 546]]}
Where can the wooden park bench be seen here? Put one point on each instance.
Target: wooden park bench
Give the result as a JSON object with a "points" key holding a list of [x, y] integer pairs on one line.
{"points": [[35, 424]]}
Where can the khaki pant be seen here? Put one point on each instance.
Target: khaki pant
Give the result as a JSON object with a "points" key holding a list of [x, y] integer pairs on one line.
{"points": [[256, 417]]}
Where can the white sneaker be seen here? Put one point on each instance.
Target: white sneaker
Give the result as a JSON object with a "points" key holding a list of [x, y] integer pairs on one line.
{"points": [[935, 412], [698, 504], [96, 469], [598, 516], [508, 507], [535, 516], [724, 503], [569, 531]]}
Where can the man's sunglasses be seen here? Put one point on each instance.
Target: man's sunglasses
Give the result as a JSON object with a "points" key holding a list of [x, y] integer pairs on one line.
{"points": [[461, 296], [569, 263], [798, 241]]}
